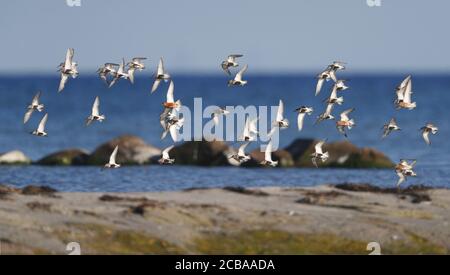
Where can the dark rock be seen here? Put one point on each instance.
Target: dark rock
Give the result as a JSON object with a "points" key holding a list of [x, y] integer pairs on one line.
{"points": [[65, 157], [342, 154], [242, 190], [38, 190], [132, 151], [203, 153]]}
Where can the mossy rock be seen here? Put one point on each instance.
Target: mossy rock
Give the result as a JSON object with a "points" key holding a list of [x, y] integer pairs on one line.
{"points": [[65, 157]]}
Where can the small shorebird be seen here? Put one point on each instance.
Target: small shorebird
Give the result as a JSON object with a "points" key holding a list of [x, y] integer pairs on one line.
{"points": [[345, 121], [334, 67], [165, 159], [426, 130], [172, 125], [135, 64], [40, 131], [237, 81], [280, 121], [389, 127], [241, 157], [170, 101], [268, 156], [107, 69], [68, 68], [321, 78], [230, 62], [340, 85], [319, 154], [404, 169], [120, 73], [161, 74], [217, 113], [95, 115], [302, 111], [112, 159], [327, 114], [334, 98], [34, 105], [404, 96], [250, 130], [400, 88]]}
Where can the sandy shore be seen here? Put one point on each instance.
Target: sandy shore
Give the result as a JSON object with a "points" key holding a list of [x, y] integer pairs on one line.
{"points": [[322, 219]]}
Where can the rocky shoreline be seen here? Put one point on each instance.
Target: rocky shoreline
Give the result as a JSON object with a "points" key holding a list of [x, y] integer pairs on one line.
{"points": [[339, 219], [135, 151]]}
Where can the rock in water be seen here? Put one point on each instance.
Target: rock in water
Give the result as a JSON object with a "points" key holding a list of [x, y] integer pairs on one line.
{"points": [[342, 154], [283, 157], [203, 153], [132, 151], [65, 157], [14, 157]]}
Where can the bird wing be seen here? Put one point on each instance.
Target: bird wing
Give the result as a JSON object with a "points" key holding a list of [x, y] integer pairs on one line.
{"points": [[232, 57], [393, 121], [155, 85], [319, 85], [241, 150], [238, 76], [169, 97], [63, 81], [68, 60], [35, 100], [407, 92], [404, 82], [268, 153], [41, 127], [401, 177], [112, 158], [160, 69], [344, 114], [225, 69], [314, 161], [300, 118], [426, 136], [333, 75], [95, 107], [246, 131], [318, 147], [280, 111], [253, 127], [329, 109], [130, 74], [216, 119], [165, 152], [174, 133], [28, 115]]}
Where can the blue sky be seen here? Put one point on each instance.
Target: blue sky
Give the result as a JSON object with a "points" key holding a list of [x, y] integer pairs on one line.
{"points": [[193, 36]]}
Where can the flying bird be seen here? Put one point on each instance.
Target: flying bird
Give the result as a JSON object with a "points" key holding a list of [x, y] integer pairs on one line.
{"points": [[120, 73], [68, 68], [217, 114], [334, 98], [345, 121], [340, 85], [95, 115], [280, 121], [112, 159], [172, 125], [34, 105], [107, 69], [237, 81], [170, 101], [161, 74], [426, 130], [40, 131], [404, 100], [302, 111], [404, 169], [241, 157], [135, 64], [268, 156], [389, 127], [319, 154], [165, 158], [250, 132], [230, 62], [327, 114], [321, 78]]}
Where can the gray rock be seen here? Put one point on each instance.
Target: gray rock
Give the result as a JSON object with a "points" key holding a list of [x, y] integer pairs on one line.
{"points": [[14, 157]]}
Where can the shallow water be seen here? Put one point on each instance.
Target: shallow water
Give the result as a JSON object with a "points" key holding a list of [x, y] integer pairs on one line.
{"points": [[131, 109]]}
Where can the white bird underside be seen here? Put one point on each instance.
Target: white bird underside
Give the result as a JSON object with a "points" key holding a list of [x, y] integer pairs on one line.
{"points": [[238, 76], [112, 158], [41, 127]]}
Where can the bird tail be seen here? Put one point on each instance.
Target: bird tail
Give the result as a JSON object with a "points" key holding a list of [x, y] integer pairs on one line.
{"points": [[351, 123], [340, 100], [40, 107]]}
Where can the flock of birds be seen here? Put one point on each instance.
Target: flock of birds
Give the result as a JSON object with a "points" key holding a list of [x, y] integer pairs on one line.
{"points": [[171, 122]]}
